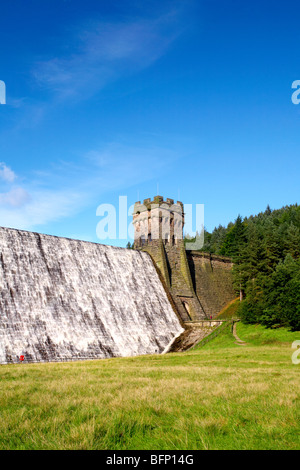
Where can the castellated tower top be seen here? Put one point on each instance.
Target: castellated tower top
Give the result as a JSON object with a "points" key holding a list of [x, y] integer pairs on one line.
{"points": [[158, 230], [158, 220]]}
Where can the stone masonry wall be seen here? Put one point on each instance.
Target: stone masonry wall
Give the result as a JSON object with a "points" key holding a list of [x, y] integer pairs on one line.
{"points": [[173, 265], [199, 284], [212, 279]]}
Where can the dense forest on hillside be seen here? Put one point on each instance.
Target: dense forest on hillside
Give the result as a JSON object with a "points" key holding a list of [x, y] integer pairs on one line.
{"points": [[265, 249]]}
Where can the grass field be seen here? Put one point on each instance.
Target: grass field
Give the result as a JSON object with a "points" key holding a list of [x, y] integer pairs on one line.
{"points": [[218, 396]]}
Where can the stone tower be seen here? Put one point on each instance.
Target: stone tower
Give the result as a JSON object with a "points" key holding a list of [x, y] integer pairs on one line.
{"points": [[158, 229]]}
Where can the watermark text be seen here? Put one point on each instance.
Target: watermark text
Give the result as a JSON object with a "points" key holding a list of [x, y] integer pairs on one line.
{"points": [[296, 345], [296, 94], [2, 92], [146, 224]]}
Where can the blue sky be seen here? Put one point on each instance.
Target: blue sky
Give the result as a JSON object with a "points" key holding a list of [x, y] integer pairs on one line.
{"points": [[107, 99]]}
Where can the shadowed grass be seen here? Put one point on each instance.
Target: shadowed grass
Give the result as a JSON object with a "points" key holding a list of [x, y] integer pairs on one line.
{"points": [[221, 396]]}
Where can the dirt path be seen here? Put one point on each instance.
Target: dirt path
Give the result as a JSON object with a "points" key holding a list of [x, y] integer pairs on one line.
{"points": [[238, 341]]}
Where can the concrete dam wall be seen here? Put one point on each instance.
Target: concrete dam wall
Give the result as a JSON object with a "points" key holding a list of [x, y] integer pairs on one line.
{"points": [[63, 299]]}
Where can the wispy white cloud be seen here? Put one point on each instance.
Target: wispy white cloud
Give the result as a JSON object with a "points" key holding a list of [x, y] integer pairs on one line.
{"points": [[15, 197], [6, 173], [101, 53], [106, 52], [118, 165], [34, 204], [40, 208], [66, 189]]}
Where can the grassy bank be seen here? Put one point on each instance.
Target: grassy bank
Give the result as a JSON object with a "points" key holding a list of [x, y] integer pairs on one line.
{"points": [[220, 396], [229, 311]]}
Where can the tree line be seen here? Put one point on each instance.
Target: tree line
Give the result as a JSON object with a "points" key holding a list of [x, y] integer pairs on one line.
{"points": [[265, 250]]}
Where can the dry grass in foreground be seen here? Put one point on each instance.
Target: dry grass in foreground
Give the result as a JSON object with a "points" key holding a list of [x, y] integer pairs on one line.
{"points": [[220, 396]]}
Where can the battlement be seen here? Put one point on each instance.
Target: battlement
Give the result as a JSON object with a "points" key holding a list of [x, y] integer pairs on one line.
{"points": [[158, 229], [158, 219], [158, 201]]}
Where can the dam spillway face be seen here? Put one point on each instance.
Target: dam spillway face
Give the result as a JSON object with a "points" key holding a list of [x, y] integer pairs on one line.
{"points": [[63, 299]]}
